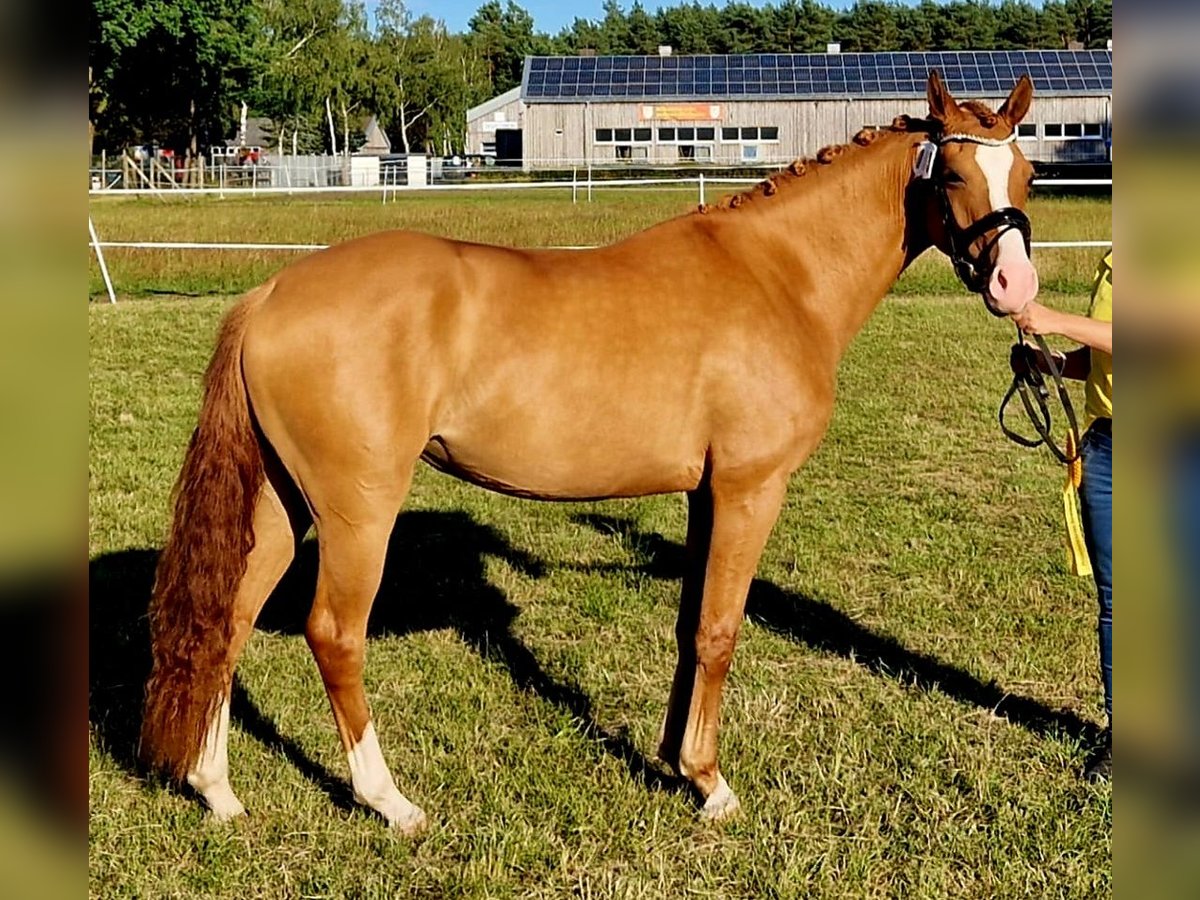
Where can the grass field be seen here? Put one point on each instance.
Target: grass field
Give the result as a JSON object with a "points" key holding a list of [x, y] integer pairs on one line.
{"points": [[912, 697]]}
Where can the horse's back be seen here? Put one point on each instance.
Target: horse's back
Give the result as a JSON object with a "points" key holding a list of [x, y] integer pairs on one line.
{"points": [[553, 374]]}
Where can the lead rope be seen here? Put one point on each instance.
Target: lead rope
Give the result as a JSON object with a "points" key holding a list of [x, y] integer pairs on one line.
{"points": [[1034, 392]]}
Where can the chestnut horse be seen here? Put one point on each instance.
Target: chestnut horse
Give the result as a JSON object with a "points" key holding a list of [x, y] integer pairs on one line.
{"points": [[699, 356]]}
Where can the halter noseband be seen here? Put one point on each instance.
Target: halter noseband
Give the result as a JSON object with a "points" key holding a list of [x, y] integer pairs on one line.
{"points": [[974, 270]]}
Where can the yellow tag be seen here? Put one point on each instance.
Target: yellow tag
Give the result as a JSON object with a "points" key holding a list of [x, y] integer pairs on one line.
{"points": [[1077, 555]]}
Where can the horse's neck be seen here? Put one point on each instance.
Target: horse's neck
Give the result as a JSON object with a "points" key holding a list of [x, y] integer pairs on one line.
{"points": [[840, 234]]}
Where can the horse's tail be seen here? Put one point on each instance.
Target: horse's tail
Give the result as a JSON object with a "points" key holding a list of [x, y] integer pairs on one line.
{"points": [[203, 561]]}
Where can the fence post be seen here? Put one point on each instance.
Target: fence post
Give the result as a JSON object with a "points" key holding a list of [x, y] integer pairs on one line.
{"points": [[108, 286], [589, 181], [702, 188], [574, 184]]}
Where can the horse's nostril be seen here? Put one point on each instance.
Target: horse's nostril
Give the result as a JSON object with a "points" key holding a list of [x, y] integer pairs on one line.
{"points": [[1002, 280]]}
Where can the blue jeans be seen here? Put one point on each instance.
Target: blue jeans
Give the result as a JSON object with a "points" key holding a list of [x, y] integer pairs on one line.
{"points": [[1185, 484], [1095, 495]]}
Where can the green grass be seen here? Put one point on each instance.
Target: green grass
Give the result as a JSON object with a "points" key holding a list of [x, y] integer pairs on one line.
{"points": [[532, 218], [521, 654]]}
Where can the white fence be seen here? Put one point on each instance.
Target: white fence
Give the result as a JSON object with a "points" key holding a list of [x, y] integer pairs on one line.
{"points": [[577, 188]]}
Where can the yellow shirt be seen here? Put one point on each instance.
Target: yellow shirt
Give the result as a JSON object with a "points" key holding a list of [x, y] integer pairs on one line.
{"points": [[1098, 390]]}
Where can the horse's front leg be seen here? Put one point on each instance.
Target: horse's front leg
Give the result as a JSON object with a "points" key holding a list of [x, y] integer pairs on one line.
{"points": [[742, 516]]}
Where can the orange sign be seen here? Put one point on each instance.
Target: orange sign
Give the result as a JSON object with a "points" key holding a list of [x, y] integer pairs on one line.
{"points": [[679, 112]]}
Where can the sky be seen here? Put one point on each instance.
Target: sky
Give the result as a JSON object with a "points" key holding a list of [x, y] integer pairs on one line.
{"points": [[550, 16]]}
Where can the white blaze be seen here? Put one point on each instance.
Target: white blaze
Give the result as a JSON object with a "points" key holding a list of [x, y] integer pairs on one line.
{"points": [[997, 163], [1013, 282]]}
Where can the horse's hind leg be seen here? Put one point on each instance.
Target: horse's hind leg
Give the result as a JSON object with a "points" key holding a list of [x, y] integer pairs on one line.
{"points": [[275, 536], [353, 532]]}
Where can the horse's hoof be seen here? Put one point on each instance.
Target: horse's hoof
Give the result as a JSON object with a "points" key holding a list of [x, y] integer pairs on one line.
{"points": [[411, 823], [721, 804], [223, 804], [229, 810]]}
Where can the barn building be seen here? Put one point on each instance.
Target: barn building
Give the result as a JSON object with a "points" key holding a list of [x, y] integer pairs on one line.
{"points": [[772, 108], [494, 127]]}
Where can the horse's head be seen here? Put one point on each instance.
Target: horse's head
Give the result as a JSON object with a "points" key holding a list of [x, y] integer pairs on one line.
{"points": [[980, 182]]}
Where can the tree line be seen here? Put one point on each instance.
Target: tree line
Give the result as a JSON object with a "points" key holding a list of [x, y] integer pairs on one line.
{"points": [[176, 72]]}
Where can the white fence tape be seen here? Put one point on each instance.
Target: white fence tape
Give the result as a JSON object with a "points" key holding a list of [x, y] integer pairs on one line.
{"points": [[580, 181], [697, 183]]}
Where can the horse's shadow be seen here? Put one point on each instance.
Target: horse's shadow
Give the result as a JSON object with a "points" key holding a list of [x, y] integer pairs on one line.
{"points": [[438, 557], [819, 625]]}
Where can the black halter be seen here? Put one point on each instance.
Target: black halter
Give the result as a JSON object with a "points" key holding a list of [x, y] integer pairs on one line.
{"points": [[974, 270]]}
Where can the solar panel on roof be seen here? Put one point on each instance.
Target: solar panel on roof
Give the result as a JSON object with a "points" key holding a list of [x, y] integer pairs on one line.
{"points": [[985, 73]]}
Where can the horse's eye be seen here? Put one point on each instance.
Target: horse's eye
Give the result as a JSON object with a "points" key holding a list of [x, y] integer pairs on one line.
{"points": [[952, 177]]}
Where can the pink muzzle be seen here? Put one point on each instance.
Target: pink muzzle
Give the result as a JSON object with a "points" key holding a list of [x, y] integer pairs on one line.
{"points": [[1014, 280]]}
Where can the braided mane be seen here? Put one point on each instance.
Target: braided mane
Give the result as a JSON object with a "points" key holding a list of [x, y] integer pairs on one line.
{"points": [[827, 155]]}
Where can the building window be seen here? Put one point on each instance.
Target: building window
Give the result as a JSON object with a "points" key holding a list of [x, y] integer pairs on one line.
{"points": [[624, 135], [749, 152], [1027, 131], [694, 152], [623, 151], [686, 135], [1073, 131], [751, 134]]}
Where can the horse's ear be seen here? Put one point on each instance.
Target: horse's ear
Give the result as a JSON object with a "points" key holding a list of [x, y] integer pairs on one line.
{"points": [[1017, 104], [941, 104]]}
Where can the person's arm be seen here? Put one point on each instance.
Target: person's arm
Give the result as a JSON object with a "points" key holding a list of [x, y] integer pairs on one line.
{"points": [[1078, 363], [1038, 319], [1075, 365]]}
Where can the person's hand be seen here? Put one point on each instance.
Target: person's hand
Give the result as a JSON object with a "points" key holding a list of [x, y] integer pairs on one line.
{"points": [[1033, 318], [1024, 358]]}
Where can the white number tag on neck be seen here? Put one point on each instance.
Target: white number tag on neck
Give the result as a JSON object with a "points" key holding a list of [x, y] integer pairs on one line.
{"points": [[923, 164]]}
